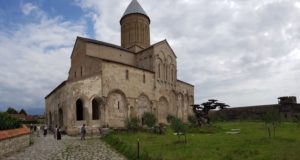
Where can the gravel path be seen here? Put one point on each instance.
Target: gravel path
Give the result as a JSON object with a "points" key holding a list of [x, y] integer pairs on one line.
{"points": [[69, 148]]}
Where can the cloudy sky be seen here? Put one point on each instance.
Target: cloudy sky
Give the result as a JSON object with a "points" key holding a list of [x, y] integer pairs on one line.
{"points": [[242, 52]]}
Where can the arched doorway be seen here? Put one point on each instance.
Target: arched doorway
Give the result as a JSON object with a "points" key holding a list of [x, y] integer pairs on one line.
{"points": [[79, 110], [95, 110], [117, 109], [60, 117]]}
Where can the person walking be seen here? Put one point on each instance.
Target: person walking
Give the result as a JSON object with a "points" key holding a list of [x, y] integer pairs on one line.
{"points": [[45, 130], [83, 132], [58, 134]]}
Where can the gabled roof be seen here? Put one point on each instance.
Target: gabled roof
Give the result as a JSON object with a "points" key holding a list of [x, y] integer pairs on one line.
{"points": [[104, 43], [100, 43], [185, 82], [58, 87], [135, 7], [158, 43]]}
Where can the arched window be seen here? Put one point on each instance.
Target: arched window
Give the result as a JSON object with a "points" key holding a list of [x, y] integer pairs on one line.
{"points": [[166, 72], [95, 110], [79, 110], [172, 75], [158, 70], [127, 74]]}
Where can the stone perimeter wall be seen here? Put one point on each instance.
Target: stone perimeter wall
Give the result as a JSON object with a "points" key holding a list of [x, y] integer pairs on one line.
{"points": [[14, 140]]}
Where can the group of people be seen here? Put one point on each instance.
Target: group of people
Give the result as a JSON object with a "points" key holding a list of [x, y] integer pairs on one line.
{"points": [[56, 131], [37, 129]]}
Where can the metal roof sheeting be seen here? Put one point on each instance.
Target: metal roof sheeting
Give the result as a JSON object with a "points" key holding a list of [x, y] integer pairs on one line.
{"points": [[134, 7]]}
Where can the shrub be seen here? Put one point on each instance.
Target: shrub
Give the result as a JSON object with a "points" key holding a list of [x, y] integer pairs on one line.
{"points": [[132, 123], [192, 121], [170, 118], [149, 119], [8, 122], [178, 127], [272, 119]]}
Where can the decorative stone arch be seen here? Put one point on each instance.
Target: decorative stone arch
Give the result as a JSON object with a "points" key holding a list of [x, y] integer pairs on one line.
{"points": [[169, 59], [117, 108], [97, 107], [84, 99], [162, 55], [143, 105], [173, 73], [163, 107], [180, 105], [159, 67]]}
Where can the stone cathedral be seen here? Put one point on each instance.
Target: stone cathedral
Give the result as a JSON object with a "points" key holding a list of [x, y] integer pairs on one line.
{"points": [[108, 83]]}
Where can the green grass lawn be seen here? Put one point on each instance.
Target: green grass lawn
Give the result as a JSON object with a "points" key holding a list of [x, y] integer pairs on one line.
{"points": [[252, 143]]}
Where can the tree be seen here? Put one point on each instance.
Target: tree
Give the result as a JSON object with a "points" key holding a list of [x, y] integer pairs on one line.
{"points": [[149, 119], [272, 119], [296, 119], [179, 128], [132, 123], [22, 111], [8, 122], [11, 110], [201, 111]]}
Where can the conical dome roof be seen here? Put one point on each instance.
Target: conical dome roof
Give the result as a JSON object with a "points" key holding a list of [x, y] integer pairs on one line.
{"points": [[135, 7]]}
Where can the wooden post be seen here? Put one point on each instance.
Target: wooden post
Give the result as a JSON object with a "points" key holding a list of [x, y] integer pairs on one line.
{"points": [[138, 149]]}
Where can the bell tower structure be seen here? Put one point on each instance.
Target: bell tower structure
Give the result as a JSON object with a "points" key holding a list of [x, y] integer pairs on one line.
{"points": [[135, 28]]}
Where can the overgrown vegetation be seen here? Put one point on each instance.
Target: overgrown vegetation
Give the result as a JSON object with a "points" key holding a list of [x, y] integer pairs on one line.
{"points": [[11, 110], [296, 119], [192, 121], [215, 144], [179, 128], [149, 119], [132, 124], [129, 151], [170, 118], [272, 120], [8, 122]]}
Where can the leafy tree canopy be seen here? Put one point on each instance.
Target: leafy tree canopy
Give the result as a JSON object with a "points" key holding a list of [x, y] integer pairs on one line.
{"points": [[22, 111], [11, 110]]}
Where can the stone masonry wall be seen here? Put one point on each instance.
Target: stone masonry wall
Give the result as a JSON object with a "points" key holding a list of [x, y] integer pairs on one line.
{"points": [[13, 140]]}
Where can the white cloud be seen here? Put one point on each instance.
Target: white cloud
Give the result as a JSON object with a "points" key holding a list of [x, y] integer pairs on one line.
{"points": [[28, 8], [35, 58], [241, 52]]}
